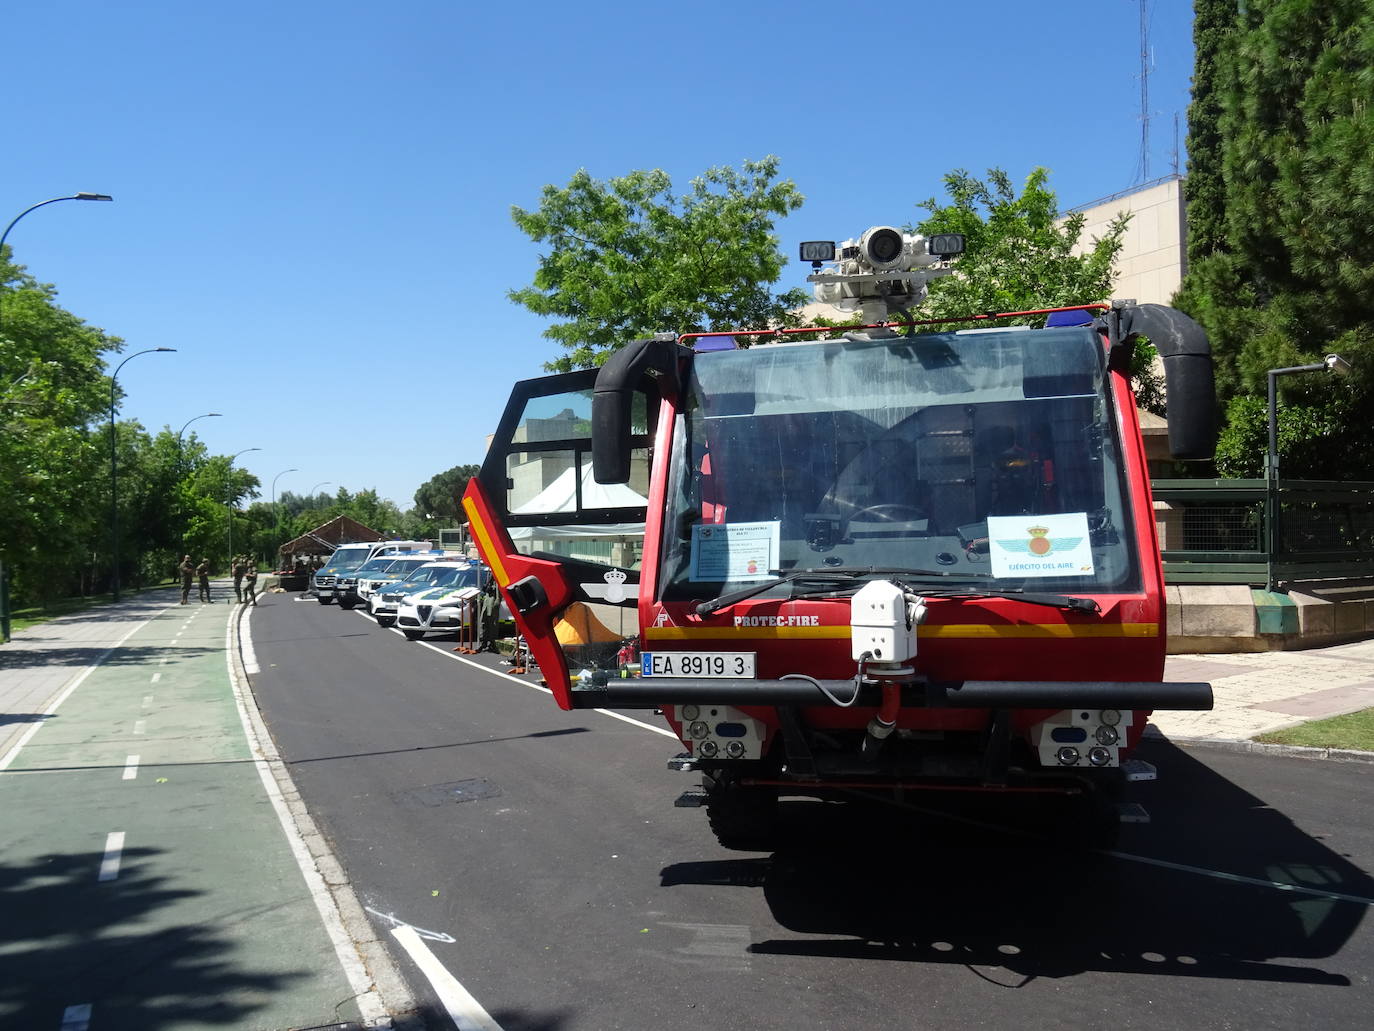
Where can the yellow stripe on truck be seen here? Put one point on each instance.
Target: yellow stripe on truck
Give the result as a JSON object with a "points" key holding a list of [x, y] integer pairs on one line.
{"points": [[959, 630], [484, 541]]}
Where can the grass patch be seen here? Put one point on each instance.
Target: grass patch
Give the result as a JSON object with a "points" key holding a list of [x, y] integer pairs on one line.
{"points": [[1354, 730]]}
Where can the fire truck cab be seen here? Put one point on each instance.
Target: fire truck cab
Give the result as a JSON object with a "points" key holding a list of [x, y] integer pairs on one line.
{"points": [[896, 558]]}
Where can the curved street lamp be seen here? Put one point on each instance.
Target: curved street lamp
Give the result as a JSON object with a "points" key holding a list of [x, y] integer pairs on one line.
{"points": [[1336, 366], [207, 415], [114, 476], [230, 503], [322, 483], [276, 513], [33, 207]]}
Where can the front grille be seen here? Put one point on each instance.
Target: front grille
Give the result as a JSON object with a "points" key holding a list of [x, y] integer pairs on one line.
{"points": [[424, 611], [324, 581], [393, 598]]}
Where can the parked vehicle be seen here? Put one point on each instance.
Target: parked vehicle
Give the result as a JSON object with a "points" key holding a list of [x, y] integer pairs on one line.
{"points": [[883, 562], [442, 609], [347, 558], [383, 604]]}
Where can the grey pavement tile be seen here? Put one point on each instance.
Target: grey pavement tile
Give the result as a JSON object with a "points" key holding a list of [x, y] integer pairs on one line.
{"points": [[1334, 701], [1183, 668]]}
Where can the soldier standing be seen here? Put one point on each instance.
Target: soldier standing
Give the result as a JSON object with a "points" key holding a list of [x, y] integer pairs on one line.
{"points": [[240, 566], [250, 583], [203, 571], [188, 572]]}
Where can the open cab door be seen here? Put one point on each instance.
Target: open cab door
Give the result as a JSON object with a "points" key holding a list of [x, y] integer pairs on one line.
{"points": [[564, 549]]}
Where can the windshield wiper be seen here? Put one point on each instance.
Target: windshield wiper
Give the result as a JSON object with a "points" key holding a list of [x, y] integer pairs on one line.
{"points": [[822, 574], [1057, 601]]}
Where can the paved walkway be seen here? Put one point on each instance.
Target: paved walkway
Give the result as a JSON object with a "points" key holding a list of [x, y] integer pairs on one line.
{"points": [[1257, 692], [146, 879]]}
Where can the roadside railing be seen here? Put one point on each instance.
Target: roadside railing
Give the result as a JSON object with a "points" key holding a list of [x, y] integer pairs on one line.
{"points": [[1262, 534]]}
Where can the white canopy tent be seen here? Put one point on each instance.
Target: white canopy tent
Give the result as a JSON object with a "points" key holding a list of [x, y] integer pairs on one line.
{"points": [[561, 496]]}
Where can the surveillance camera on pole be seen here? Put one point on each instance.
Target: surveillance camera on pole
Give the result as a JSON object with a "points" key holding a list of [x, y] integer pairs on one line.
{"points": [[882, 272]]}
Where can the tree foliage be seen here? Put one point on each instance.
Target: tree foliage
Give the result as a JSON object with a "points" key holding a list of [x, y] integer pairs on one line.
{"points": [[1291, 276], [438, 499], [627, 258], [1020, 253]]}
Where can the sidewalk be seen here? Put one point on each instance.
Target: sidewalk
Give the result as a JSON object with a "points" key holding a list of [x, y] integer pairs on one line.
{"points": [[147, 880]]}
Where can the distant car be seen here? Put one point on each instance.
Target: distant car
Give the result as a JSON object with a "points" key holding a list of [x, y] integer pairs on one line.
{"points": [[342, 565], [441, 609], [400, 568], [384, 603]]}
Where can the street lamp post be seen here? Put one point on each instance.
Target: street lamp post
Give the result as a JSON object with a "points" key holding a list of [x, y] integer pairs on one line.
{"points": [[34, 207], [1337, 366], [276, 514], [207, 415], [230, 504], [114, 475]]}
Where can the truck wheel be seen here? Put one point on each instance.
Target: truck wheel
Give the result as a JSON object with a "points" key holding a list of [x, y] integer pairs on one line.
{"points": [[326, 601], [343, 604], [412, 635], [742, 818]]}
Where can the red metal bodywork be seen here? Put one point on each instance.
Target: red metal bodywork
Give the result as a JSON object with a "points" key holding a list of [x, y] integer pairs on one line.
{"points": [[960, 639]]}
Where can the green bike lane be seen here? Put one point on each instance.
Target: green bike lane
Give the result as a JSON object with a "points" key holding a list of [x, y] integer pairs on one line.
{"points": [[146, 881]]}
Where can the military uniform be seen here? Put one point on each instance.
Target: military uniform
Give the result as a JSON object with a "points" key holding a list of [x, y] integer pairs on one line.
{"points": [[250, 584], [188, 572], [203, 571], [240, 565]]}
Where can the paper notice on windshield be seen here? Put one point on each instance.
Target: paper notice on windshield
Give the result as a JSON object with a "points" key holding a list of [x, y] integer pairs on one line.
{"points": [[734, 551], [1040, 545]]}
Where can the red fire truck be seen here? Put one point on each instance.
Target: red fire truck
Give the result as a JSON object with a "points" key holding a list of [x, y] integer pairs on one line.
{"points": [[877, 559]]}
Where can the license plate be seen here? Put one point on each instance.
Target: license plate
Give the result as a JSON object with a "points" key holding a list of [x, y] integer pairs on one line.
{"points": [[706, 665]]}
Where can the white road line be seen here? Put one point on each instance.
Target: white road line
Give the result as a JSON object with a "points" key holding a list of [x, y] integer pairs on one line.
{"points": [[66, 693], [1221, 875], [264, 753], [140, 726], [147, 701], [156, 678], [76, 1018], [462, 1008], [131, 767], [448, 653], [109, 865], [246, 652]]}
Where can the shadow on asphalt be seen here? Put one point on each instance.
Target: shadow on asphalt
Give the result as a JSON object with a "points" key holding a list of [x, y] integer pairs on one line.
{"points": [[873, 882], [125, 655], [7, 718], [68, 939]]}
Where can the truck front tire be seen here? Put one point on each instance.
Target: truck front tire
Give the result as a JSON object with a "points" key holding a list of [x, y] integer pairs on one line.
{"points": [[742, 818]]}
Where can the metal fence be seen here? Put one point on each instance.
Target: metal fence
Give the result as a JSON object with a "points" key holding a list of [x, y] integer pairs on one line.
{"points": [[1254, 532]]}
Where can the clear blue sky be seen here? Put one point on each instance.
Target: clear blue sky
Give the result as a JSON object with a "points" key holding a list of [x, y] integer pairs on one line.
{"points": [[312, 199]]}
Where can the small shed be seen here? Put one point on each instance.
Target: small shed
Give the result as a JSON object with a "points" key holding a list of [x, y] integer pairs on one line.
{"points": [[322, 540]]}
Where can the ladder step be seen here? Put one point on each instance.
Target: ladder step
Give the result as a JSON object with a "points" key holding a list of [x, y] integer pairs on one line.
{"points": [[1131, 812], [1139, 769], [691, 800]]}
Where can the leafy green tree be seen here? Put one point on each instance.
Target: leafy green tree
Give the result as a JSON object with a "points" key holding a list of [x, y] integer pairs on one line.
{"points": [[627, 258], [53, 393], [1292, 276], [1214, 21], [1020, 252], [438, 500]]}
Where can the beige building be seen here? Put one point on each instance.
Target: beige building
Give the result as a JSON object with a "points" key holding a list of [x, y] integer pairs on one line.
{"points": [[1153, 252]]}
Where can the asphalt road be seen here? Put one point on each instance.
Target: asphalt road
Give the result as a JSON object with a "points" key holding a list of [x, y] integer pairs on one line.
{"points": [[546, 846]]}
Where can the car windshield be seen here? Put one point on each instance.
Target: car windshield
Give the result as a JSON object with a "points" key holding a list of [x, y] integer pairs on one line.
{"points": [[987, 456], [403, 567], [443, 576], [375, 565], [346, 559]]}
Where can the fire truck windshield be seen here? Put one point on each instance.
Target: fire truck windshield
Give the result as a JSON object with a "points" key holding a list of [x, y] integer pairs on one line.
{"points": [[989, 455]]}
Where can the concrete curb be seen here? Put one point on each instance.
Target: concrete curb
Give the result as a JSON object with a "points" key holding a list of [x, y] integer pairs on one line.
{"points": [[389, 993], [1348, 755]]}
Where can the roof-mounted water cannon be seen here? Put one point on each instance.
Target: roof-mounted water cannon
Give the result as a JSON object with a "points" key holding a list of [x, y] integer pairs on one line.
{"points": [[881, 272]]}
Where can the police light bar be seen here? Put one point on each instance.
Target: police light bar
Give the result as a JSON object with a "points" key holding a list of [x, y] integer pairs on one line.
{"points": [[946, 245], [817, 251]]}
